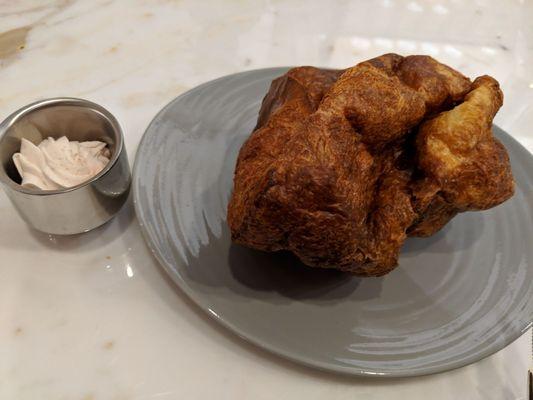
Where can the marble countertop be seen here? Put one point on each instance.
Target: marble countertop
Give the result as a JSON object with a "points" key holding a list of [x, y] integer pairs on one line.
{"points": [[93, 317]]}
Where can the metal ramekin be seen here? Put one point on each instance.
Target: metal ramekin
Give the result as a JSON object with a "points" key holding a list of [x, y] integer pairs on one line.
{"points": [[80, 208]]}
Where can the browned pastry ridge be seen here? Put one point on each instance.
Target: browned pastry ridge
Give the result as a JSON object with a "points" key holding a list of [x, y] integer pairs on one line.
{"points": [[343, 165]]}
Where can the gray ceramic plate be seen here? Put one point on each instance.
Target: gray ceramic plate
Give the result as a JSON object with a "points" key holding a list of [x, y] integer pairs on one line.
{"points": [[455, 298]]}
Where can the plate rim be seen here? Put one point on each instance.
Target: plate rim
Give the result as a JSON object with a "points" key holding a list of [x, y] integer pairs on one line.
{"points": [[297, 358]]}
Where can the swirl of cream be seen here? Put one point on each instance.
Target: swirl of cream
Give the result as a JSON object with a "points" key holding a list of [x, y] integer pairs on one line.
{"points": [[59, 164]]}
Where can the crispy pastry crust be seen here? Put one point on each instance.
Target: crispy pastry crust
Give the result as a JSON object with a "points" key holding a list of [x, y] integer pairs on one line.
{"points": [[344, 164]]}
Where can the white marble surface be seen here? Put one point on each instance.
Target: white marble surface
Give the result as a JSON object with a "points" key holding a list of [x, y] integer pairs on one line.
{"points": [[93, 317]]}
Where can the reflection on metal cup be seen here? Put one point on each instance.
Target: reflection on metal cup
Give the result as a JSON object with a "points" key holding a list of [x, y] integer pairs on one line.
{"points": [[82, 207]]}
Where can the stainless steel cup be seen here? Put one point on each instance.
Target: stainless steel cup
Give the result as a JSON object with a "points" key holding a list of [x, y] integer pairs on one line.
{"points": [[80, 208]]}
